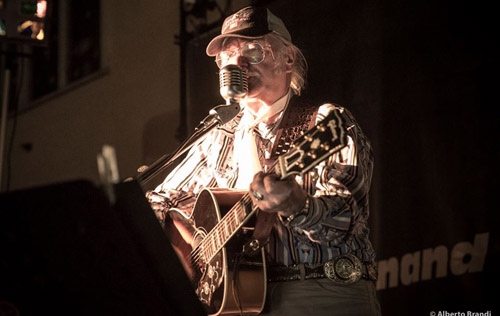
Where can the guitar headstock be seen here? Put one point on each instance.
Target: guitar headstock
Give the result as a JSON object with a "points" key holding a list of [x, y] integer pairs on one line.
{"points": [[326, 138]]}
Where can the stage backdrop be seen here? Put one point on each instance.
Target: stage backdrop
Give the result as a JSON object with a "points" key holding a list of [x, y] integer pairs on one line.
{"points": [[419, 78]]}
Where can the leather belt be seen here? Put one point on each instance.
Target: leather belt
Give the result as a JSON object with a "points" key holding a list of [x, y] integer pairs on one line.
{"points": [[345, 269]]}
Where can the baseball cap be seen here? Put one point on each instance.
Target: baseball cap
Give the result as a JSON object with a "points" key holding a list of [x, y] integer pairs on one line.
{"points": [[250, 22]]}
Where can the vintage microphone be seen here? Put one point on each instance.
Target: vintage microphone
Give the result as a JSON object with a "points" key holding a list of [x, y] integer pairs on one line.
{"points": [[233, 84]]}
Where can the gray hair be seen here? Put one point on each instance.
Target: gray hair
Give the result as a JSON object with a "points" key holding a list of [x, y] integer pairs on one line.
{"points": [[299, 71]]}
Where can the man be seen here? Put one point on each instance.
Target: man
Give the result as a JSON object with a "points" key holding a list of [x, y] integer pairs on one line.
{"points": [[321, 216]]}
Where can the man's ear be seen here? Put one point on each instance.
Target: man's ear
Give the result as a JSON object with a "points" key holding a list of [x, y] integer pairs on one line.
{"points": [[289, 59]]}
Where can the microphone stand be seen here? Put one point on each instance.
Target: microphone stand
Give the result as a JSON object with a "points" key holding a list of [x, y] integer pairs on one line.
{"points": [[217, 116]]}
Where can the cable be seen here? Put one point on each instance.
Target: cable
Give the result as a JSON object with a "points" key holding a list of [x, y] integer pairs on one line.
{"points": [[235, 283]]}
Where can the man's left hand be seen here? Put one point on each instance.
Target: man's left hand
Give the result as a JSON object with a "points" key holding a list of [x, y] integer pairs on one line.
{"points": [[285, 197]]}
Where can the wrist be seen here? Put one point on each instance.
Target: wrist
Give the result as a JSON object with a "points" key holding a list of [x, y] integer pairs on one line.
{"points": [[299, 217]]}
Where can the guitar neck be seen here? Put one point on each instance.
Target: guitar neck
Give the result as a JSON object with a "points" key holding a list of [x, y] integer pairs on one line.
{"points": [[235, 218]]}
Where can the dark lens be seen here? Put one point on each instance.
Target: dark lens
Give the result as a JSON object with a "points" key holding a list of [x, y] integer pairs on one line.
{"points": [[253, 53]]}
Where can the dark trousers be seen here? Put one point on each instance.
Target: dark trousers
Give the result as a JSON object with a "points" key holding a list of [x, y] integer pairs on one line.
{"points": [[321, 297]]}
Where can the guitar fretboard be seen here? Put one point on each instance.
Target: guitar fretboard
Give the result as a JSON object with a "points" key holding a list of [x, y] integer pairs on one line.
{"points": [[226, 228]]}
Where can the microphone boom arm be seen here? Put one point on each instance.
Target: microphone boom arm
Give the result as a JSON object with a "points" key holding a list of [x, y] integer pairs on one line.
{"points": [[233, 87], [218, 116]]}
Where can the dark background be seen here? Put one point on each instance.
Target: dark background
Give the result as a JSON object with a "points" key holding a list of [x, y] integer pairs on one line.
{"points": [[420, 78]]}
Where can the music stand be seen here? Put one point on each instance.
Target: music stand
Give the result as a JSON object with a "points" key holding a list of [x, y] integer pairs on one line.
{"points": [[66, 251]]}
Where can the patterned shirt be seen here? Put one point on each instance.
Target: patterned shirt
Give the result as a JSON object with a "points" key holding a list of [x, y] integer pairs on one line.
{"points": [[337, 222]]}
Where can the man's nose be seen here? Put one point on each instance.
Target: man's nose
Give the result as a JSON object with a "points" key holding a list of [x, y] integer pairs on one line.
{"points": [[238, 60]]}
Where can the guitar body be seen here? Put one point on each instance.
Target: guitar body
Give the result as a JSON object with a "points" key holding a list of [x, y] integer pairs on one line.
{"points": [[223, 287]]}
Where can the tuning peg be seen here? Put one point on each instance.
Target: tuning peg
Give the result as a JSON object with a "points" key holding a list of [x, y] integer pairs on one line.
{"points": [[311, 154]]}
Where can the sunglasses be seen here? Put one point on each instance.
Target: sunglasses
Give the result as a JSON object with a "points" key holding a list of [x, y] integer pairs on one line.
{"points": [[252, 52]]}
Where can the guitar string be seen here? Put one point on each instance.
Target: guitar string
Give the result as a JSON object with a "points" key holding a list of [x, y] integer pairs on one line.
{"points": [[209, 247], [236, 210], [231, 219], [197, 252]]}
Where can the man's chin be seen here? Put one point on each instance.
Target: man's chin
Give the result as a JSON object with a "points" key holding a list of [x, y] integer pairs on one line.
{"points": [[252, 97], [253, 89]]}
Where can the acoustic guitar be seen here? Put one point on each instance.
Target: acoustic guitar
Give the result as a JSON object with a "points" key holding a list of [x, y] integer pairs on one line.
{"points": [[226, 281]]}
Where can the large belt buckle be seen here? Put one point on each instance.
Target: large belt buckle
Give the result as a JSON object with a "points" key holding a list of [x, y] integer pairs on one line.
{"points": [[345, 269]]}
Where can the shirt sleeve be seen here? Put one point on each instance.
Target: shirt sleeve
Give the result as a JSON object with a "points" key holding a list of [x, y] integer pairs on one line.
{"points": [[179, 189], [340, 185]]}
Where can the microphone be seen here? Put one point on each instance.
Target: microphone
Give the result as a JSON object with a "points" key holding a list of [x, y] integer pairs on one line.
{"points": [[233, 83], [233, 87]]}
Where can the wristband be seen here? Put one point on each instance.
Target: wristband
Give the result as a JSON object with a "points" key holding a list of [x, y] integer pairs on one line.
{"points": [[300, 217]]}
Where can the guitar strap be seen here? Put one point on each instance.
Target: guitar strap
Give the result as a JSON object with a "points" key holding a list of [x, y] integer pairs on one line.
{"points": [[299, 116]]}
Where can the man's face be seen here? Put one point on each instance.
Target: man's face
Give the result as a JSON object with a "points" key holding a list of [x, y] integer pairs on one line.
{"points": [[268, 80]]}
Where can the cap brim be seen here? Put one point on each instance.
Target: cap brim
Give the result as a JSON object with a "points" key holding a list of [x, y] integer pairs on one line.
{"points": [[215, 45]]}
